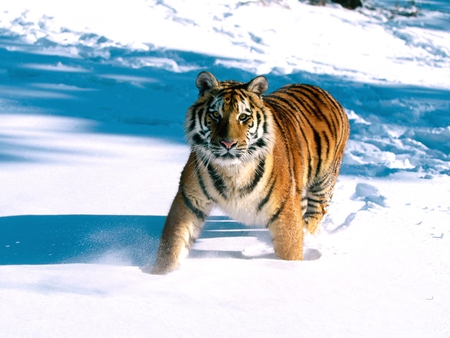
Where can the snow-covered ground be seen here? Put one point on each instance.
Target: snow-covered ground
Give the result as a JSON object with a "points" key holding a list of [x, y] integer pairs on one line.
{"points": [[92, 102]]}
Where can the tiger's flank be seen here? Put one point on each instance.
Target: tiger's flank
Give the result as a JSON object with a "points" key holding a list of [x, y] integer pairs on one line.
{"points": [[269, 160]]}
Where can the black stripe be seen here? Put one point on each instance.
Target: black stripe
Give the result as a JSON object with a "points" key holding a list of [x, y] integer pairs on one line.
{"points": [[201, 182], [258, 122], [264, 123], [326, 140], [322, 188], [203, 118], [267, 197], [277, 213], [329, 102], [337, 106], [259, 172], [241, 95], [197, 212], [336, 109], [194, 114], [309, 214], [318, 142], [218, 181], [321, 194], [314, 203], [256, 146], [198, 140], [317, 186], [191, 122]]}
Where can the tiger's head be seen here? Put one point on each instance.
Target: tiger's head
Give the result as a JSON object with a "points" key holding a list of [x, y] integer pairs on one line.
{"points": [[229, 124]]}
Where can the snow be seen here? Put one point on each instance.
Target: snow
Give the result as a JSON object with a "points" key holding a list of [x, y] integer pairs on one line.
{"points": [[92, 104]]}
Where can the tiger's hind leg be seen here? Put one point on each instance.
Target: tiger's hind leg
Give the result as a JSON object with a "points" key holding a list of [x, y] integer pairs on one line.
{"points": [[316, 201]]}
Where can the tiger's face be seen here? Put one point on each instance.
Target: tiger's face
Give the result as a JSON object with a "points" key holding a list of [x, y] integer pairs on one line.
{"points": [[229, 123]]}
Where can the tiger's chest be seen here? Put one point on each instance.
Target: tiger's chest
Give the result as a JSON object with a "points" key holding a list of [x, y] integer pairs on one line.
{"points": [[239, 190]]}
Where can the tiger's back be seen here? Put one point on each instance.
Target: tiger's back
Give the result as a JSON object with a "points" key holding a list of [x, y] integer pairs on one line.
{"points": [[313, 123], [270, 161]]}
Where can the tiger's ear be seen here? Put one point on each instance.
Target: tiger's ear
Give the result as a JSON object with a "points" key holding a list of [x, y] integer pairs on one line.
{"points": [[205, 81], [258, 85]]}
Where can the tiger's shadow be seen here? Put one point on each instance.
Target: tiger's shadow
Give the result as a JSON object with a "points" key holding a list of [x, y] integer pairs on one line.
{"points": [[225, 238], [222, 237]]}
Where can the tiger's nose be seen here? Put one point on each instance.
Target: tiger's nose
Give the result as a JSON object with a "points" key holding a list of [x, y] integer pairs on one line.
{"points": [[228, 144]]}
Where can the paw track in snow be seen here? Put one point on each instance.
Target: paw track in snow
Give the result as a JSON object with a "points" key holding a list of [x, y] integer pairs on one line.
{"points": [[369, 194]]}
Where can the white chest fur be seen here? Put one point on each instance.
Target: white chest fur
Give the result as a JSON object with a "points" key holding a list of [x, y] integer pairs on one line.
{"points": [[237, 193]]}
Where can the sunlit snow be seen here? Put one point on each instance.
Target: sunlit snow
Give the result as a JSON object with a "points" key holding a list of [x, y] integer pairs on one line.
{"points": [[92, 102]]}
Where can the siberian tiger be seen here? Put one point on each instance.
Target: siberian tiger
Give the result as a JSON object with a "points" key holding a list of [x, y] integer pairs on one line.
{"points": [[264, 160]]}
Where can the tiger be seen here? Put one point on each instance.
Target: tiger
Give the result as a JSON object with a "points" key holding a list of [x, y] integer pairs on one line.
{"points": [[268, 160]]}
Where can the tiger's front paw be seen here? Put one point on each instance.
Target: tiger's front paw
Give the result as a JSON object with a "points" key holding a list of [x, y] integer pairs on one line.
{"points": [[160, 268]]}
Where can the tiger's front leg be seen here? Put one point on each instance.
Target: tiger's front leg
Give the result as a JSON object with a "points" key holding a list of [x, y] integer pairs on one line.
{"points": [[183, 225], [286, 228]]}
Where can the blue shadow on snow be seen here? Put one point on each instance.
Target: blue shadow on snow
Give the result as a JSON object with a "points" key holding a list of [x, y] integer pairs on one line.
{"points": [[149, 101], [107, 239]]}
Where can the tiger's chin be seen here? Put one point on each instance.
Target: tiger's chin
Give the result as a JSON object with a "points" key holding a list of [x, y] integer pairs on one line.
{"points": [[227, 161], [218, 159]]}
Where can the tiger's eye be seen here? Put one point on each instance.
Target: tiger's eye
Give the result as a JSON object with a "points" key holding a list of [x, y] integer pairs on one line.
{"points": [[243, 117], [215, 114]]}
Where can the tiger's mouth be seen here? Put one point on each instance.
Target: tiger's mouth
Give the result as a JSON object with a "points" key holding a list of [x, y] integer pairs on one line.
{"points": [[227, 156]]}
